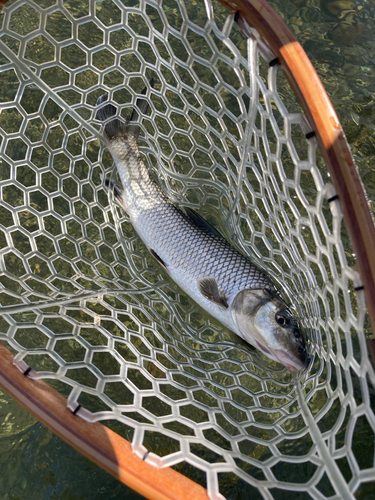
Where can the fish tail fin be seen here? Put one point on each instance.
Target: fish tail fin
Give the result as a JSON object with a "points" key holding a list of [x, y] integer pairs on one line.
{"points": [[142, 105], [113, 124], [112, 186]]}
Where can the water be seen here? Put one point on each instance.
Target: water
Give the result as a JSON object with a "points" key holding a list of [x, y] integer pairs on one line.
{"points": [[338, 38], [35, 463]]}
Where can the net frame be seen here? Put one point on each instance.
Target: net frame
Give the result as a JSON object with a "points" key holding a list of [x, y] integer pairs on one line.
{"points": [[327, 129], [286, 49], [98, 443]]}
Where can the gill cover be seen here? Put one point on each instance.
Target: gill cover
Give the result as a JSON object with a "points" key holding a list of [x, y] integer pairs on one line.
{"points": [[244, 309]]}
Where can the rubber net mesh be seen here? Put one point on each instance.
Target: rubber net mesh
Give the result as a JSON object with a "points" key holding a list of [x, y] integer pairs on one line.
{"points": [[89, 310]]}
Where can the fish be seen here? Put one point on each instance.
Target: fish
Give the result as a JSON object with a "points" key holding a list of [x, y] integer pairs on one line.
{"points": [[220, 279]]}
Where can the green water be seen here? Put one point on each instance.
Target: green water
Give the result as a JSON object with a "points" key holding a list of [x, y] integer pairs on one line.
{"points": [[338, 37], [36, 464]]}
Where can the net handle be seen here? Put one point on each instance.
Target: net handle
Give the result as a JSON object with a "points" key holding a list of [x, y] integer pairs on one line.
{"points": [[328, 131], [99, 444]]}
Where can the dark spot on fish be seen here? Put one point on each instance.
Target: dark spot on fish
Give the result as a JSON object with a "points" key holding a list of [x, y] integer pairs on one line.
{"points": [[159, 259], [210, 290], [250, 301]]}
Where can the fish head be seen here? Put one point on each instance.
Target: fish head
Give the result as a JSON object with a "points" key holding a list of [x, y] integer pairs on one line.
{"points": [[265, 321]]}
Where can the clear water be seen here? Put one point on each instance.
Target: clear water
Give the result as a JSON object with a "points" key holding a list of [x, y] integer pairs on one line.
{"points": [[36, 464], [338, 37]]}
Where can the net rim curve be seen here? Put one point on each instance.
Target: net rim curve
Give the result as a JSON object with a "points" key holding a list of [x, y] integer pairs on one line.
{"points": [[327, 129]]}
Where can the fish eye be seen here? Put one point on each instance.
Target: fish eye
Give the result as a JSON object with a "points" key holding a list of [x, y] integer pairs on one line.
{"points": [[282, 319]]}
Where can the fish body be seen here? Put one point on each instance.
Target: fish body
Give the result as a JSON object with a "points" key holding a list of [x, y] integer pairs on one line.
{"points": [[202, 263]]}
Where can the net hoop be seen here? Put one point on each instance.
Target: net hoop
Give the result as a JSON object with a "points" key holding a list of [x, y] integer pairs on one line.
{"points": [[113, 453], [98, 443], [327, 129]]}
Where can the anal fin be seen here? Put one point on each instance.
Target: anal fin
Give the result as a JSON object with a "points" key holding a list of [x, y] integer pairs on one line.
{"points": [[112, 186], [210, 290]]}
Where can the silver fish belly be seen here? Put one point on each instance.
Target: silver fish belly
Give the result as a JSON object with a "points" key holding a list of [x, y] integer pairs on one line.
{"points": [[202, 263]]}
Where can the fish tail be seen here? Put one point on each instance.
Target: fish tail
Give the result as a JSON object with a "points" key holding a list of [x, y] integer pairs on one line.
{"points": [[108, 114], [142, 105], [114, 126]]}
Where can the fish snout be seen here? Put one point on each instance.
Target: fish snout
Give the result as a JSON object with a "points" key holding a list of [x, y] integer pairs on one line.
{"points": [[294, 356], [291, 361]]}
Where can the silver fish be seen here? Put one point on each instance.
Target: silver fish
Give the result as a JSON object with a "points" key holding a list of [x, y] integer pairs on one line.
{"points": [[195, 255]]}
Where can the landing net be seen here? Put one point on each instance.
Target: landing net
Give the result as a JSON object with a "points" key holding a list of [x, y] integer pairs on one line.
{"points": [[89, 310]]}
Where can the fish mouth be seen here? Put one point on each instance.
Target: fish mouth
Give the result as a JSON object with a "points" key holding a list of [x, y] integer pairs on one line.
{"points": [[292, 363], [263, 348]]}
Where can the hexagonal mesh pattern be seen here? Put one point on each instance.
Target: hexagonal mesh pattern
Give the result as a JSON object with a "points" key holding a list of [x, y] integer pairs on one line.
{"points": [[85, 305]]}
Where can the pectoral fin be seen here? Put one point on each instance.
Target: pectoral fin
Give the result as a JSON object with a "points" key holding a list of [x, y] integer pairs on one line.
{"points": [[210, 290]]}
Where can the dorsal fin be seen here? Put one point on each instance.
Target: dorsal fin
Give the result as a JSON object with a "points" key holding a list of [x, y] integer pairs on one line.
{"points": [[201, 221]]}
